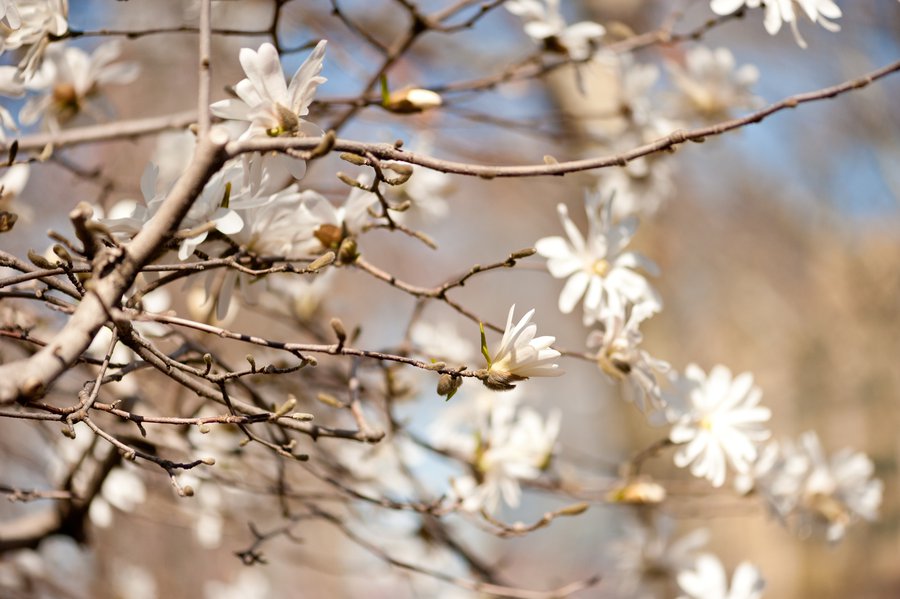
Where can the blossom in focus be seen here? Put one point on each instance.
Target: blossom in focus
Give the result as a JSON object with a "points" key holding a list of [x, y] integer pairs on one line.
{"points": [[598, 268], [70, 81], [545, 24], [709, 86], [779, 12], [718, 421], [708, 580], [266, 101], [618, 354], [521, 355]]}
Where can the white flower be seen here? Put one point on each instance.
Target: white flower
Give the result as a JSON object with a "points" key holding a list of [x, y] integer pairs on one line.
{"points": [[12, 184], [620, 358], [122, 489], [708, 580], [710, 86], [514, 445], [266, 101], [331, 224], [597, 268], [521, 355], [31, 23], [648, 559], [639, 188], [71, 80], [785, 11], [545, 24], [441, 341], [813, 493], [298, 295], [720, 422]]}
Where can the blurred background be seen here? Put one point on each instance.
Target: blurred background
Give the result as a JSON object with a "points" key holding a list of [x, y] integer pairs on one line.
{"points": [[778, 245]]}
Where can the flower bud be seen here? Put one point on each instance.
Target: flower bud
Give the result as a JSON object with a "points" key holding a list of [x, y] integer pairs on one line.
{"points": [[412, 100]]}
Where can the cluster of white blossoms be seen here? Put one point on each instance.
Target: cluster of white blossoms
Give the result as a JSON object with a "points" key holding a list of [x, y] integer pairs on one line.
{"points": [[812, 493]]}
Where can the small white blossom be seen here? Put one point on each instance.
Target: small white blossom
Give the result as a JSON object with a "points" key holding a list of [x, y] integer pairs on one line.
{"points": [[441, 341], [647, 558], [619, 356], [12, 184], [709, 86], [598, 269], [521, 355], [122, 489], [779, 12], [71, 80], [719, 422], [516, 444], [708, 580], [545, 24], [267, 103], [330, 224]]}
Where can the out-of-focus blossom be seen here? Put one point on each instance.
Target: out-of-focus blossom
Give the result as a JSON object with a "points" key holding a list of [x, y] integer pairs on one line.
{"points": [[779, 12], [441, 341], [545, 24], [708, 580], [620, 357], [813, 493], [130, 581], [70, 81], [123, 489], [334, 224], [31, 23], [709, 86], [521, 355], [646, 558], [12, 184], [718, 421], [508, 444], [250, 583], [598, 269]]}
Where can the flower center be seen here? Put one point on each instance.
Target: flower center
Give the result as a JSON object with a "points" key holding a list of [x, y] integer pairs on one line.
{"points": [[601, 267], [65, 96]]}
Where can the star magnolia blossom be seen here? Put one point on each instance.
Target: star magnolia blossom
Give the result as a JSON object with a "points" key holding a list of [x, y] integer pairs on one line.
{"points": [[30, 23], [619, 356], [598, 269], [69, 79], [545, 24], [515, 444], [785, 11], [708, 580], [815, 493], [266, 101], [720, 422], [647, 555], [709, 86], [521, 355]]}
